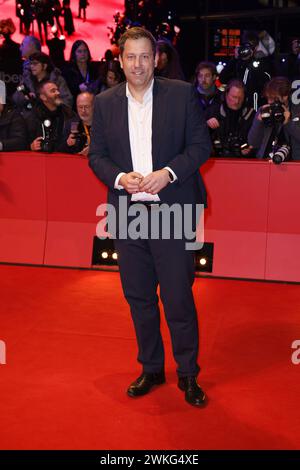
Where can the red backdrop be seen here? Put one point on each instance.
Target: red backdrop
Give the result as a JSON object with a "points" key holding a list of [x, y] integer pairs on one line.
{"points": [[48, 214]]}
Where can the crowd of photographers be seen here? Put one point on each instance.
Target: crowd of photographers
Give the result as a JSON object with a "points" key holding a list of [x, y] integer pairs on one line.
{"points": [[258, 113], [251, 109]]}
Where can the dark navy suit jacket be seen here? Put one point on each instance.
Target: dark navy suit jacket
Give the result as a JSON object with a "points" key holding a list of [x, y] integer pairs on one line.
{"points": [[180, 140]]}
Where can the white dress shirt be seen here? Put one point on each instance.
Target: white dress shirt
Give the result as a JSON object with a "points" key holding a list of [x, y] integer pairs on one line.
{"points": [[140, 137]]}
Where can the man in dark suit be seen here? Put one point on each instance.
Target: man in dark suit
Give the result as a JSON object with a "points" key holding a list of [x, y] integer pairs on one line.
{"points": [[148, 141]]}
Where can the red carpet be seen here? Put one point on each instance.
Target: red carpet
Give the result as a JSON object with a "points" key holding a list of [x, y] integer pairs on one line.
{"points": [[71, 355], [93, 31]]}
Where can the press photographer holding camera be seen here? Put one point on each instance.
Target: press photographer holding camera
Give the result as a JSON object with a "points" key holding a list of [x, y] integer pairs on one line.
{"points": [[275, 131], [251, 67], [229, 123], [78, 132], [48, 119]]}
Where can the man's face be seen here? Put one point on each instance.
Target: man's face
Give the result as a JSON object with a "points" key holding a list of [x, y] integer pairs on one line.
{"points": [[85, 105], [206, 79], [235, 98], [138, 63], [50, 95]]}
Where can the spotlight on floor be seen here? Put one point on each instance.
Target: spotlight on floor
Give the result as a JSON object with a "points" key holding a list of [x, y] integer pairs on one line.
{"points": [[204, 258], [104, 253]]}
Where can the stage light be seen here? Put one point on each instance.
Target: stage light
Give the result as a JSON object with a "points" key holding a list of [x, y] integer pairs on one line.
{"points": [[204, 258], [104, 253]]}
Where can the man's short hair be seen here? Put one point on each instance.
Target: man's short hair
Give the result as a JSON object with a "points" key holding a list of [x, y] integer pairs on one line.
{"points": [[277, 86], [206, 65], [235, 83], [89, 93], [41, 84], [136, 33]]}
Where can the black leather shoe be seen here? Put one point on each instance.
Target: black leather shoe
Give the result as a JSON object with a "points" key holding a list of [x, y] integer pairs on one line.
{"points": [[194, 394], [145, 382]]}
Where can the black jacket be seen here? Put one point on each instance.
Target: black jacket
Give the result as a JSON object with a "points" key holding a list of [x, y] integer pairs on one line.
{"points": [[82, 139], [253, 73], [207, 102], [13, 134], [233, 130], [260, 136], [59, 119]]}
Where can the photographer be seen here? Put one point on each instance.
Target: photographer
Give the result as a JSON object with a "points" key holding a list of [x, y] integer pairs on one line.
{"points": [[276, 127], [40, 70], [249, 66], [13, 134], [229, 123], [48, 119], [78, 132], [205, 85]]}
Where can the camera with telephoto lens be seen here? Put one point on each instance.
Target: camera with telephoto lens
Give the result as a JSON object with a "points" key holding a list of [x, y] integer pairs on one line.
{"points": [[47, 143], [272, 114], [280, 153], [245, 51], [29, 100]]}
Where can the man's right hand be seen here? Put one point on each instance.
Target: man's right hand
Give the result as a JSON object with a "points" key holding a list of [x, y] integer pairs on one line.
{"points": [[131, 181], [213, 123], [36, 144], [71, 140]]}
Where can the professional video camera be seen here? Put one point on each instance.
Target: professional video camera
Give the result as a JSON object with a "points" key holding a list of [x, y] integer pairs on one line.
{"points": [[272, 114], [231, 148], [245, 51], [47, 144]]}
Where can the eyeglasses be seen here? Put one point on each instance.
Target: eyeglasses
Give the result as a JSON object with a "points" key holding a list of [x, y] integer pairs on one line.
{"points": [[84, 108]]}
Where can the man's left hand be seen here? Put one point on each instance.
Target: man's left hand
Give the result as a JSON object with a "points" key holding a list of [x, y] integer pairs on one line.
{"points": [[155, 181]]}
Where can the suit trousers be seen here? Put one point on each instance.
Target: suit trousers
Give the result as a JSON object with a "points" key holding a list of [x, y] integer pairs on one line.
{"points": [[144, 264]]}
